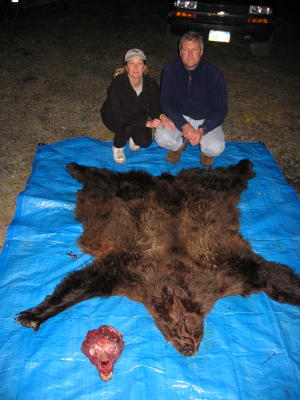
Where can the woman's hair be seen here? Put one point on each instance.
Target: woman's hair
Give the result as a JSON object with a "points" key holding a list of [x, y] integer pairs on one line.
{"points": [[193, 36], [122, 70]]}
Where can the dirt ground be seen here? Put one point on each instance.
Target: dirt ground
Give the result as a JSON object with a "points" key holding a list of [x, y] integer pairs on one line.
{"points": [[56, 66]]}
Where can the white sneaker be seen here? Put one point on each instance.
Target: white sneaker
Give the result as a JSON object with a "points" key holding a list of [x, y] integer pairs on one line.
{"points": [[118, 154], [132, 145]]}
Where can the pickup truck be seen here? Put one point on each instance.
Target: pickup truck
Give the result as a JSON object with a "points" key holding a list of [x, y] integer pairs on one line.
{"points": [[251, 21]]}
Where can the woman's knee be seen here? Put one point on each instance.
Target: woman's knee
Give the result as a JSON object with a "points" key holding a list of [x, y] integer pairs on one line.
{"points": [[144, 138]]}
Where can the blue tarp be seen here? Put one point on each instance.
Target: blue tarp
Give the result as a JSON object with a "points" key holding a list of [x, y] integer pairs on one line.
{"points": [[251, 347]]}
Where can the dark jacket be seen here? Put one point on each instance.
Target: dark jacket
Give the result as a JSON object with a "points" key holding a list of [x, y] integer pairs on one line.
{"points": [[125, 107], [199, 94]]}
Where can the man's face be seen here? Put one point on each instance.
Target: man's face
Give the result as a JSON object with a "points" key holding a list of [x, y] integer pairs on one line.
{"points": [[190, 54]]}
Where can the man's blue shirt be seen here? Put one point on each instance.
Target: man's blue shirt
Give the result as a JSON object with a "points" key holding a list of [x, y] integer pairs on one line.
{"points": [[199, 94]]}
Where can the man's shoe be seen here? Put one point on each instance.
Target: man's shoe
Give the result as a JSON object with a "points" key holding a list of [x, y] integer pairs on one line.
{"points": [[174, 156], [118, 154], [207, 161], [132, 145]]}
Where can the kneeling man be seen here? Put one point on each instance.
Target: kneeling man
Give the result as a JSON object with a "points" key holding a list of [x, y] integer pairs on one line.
{"points": [[194, 100]]}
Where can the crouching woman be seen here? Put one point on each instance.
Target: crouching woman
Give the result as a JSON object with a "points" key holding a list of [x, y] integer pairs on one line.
{"points": [[132, 107]]}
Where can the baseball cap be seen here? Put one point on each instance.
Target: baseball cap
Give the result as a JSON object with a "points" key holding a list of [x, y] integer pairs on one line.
{"points": [[134, 53]]}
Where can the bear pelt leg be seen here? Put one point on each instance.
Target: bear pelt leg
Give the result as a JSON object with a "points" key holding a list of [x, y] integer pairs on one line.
{"points": [[169, 242], [99, 279]]}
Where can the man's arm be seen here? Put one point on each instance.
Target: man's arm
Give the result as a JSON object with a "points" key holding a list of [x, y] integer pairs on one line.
{"points": [[169, 97], [218, 96]]}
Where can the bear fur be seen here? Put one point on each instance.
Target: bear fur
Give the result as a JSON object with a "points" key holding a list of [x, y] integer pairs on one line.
{"points": [[169, 242]]}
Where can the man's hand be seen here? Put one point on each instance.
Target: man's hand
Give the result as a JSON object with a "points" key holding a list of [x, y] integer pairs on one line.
{"points": [[188, 132], [153, 123], [194, 136], [165, 121], [197, 137]]}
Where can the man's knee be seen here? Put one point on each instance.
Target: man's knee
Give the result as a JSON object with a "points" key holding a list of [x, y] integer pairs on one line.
{"points": [[215, 149], [168, 139], [160, 137], [213, 144]]}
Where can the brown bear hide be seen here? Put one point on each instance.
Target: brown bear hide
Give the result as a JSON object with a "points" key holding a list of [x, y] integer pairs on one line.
{"points": [[169, 242]]}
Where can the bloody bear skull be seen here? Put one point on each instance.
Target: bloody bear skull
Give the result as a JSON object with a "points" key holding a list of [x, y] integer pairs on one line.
{"points": [[103, 346]]}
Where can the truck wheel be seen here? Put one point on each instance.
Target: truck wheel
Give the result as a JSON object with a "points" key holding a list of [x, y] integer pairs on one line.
{"points": [[261, 49], [171, 38]]}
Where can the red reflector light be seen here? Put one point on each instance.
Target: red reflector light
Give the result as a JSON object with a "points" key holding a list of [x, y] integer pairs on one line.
{"points": [[184, 14], [258, 20]]}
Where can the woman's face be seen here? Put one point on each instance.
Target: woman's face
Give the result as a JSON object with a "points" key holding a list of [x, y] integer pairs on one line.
{"points": [[135, 68]]}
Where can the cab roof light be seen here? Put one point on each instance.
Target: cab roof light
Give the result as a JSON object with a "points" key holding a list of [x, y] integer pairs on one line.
{"points": [[258, 20], [184, 14]]}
